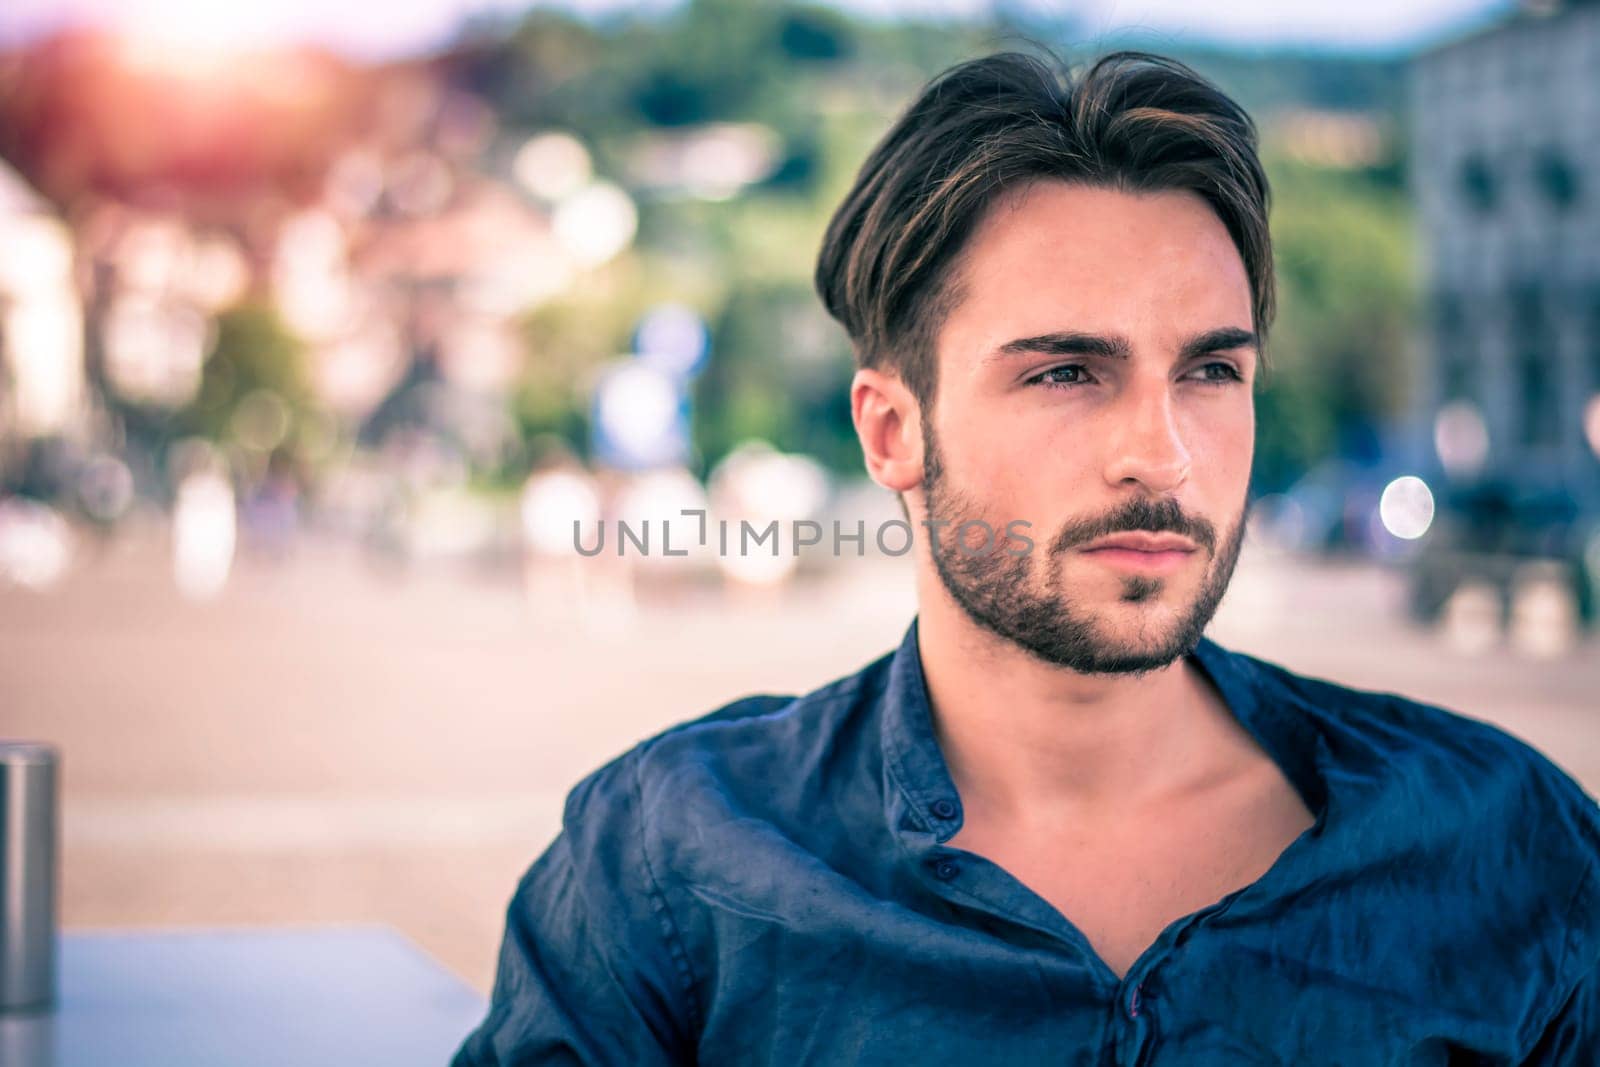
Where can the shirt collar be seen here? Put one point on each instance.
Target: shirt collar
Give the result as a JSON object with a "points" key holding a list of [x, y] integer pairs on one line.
{"points": [[922, 799]]}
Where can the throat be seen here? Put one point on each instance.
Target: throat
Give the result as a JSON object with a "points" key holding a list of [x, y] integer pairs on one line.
{"points": [[1121, 881]]}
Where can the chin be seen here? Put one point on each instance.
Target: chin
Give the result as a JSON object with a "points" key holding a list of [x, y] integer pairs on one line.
{"points": [[1142, 635]]}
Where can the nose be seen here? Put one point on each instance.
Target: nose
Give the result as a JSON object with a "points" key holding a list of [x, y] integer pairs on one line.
{"points": [[1146, 444]]}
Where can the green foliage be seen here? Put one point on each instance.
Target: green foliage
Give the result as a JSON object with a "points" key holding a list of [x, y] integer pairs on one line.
{"points": [[254, 352], [828, 85], [1341, 351], [780, 371], [567, 342]]}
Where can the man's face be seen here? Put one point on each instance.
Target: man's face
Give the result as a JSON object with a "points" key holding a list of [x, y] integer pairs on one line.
{"points": [[1095, 379]]}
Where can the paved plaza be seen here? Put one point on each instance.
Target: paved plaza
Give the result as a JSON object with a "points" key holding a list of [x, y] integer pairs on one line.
{"points": [[332, 740]]}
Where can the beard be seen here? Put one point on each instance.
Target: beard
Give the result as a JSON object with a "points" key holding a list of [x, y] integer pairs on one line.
{"points": [[1021, 598]]}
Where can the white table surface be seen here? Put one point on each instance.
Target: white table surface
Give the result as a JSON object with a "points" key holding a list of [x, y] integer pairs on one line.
{"points": [[312, 996]]}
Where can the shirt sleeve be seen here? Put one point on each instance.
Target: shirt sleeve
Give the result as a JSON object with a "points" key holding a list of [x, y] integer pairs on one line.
{"points": [[587, 971], [1572, 1039]]}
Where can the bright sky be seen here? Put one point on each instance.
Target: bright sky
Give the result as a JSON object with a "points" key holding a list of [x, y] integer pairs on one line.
{"points": [[398, 27]]}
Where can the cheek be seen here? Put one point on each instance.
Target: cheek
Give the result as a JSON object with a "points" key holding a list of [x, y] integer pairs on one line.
{"points": [[1223, 424], [1228, 442], [987, 450], [1222, 446], [1037, 473]]}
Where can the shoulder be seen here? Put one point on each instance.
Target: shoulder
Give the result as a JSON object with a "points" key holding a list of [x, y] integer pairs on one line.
{"points": [[1370, 730], [753, 747], [1447, 778], [1478, 825]]}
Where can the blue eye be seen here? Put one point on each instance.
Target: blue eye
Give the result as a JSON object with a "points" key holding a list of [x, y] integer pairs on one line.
{"points": [[1050, 378], [1230, 374]]}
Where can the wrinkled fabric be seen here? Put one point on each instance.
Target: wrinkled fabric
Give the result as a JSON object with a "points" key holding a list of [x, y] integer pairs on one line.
{"points": [[771, 884]]}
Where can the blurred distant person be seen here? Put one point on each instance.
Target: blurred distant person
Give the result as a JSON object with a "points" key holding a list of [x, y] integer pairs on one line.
{"points": [[757, 484], [204, 529], [1058, 824], [271, 508], [559, 508]]}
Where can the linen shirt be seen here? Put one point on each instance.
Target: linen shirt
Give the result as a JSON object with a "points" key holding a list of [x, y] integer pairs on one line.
{"points": [[772, 884]]}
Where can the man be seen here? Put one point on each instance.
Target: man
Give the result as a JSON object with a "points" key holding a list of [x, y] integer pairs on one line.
{"points": [[1058, 825]]}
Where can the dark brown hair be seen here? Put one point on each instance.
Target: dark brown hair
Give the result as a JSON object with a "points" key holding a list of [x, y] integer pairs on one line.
{"points": [[1131, 121]]}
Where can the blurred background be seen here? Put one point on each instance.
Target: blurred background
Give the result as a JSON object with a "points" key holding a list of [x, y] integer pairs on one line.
{"points": [[321, 327]]}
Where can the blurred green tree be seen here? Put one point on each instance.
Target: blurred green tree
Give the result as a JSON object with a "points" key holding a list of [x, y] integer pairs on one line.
{"points": [[829, 84], [255, 362], [1341, 353]]}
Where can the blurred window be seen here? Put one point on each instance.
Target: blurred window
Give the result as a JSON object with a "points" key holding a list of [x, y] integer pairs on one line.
{"points": [[1594, 340], [1557, 178], [1478, 185], [1455, 348], [1534, 353]]}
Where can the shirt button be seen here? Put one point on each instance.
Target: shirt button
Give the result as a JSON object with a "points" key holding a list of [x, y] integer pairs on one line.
{"points": [[1133, 1002], [944, 809], [946, 869]]}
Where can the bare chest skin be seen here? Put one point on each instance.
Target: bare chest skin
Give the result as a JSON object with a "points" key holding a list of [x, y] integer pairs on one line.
{"points": [[1123, 881]]}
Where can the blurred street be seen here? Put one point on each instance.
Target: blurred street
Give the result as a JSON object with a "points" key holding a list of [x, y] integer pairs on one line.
{"points": [[328, 741], [332, 348]]}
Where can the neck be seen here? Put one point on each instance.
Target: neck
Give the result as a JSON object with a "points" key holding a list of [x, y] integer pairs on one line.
{"points": [[1028, 740]]}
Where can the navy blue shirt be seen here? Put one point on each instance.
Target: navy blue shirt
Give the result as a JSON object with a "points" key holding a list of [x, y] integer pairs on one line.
{"points": [[771, 884]]}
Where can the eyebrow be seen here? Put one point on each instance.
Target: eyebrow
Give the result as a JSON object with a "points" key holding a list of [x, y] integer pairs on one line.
{"points": [[1116, 347]]}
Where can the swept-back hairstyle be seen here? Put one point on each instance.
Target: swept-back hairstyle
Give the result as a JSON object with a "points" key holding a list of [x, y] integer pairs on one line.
{"points": [[1131, 121]]}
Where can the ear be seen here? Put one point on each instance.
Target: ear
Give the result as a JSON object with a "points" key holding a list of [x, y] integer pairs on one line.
{"points": [[888, 422]]}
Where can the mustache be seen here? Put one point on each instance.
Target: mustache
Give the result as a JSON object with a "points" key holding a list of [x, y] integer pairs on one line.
{"points": [[1140, 515]]}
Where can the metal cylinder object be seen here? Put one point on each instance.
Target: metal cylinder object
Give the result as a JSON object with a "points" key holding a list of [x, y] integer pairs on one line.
{"points": [[27, 876]]}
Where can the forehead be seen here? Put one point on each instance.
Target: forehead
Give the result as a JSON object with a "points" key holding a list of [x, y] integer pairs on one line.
{"points": [[1150, 266]]}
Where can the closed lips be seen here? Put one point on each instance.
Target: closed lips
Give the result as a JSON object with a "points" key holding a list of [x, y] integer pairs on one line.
{"points": [[1143, 543]]}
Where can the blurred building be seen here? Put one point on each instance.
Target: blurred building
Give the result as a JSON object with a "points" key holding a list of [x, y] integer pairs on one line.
{"points": [[196, 250], [1507, 179], [41, 332]]}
